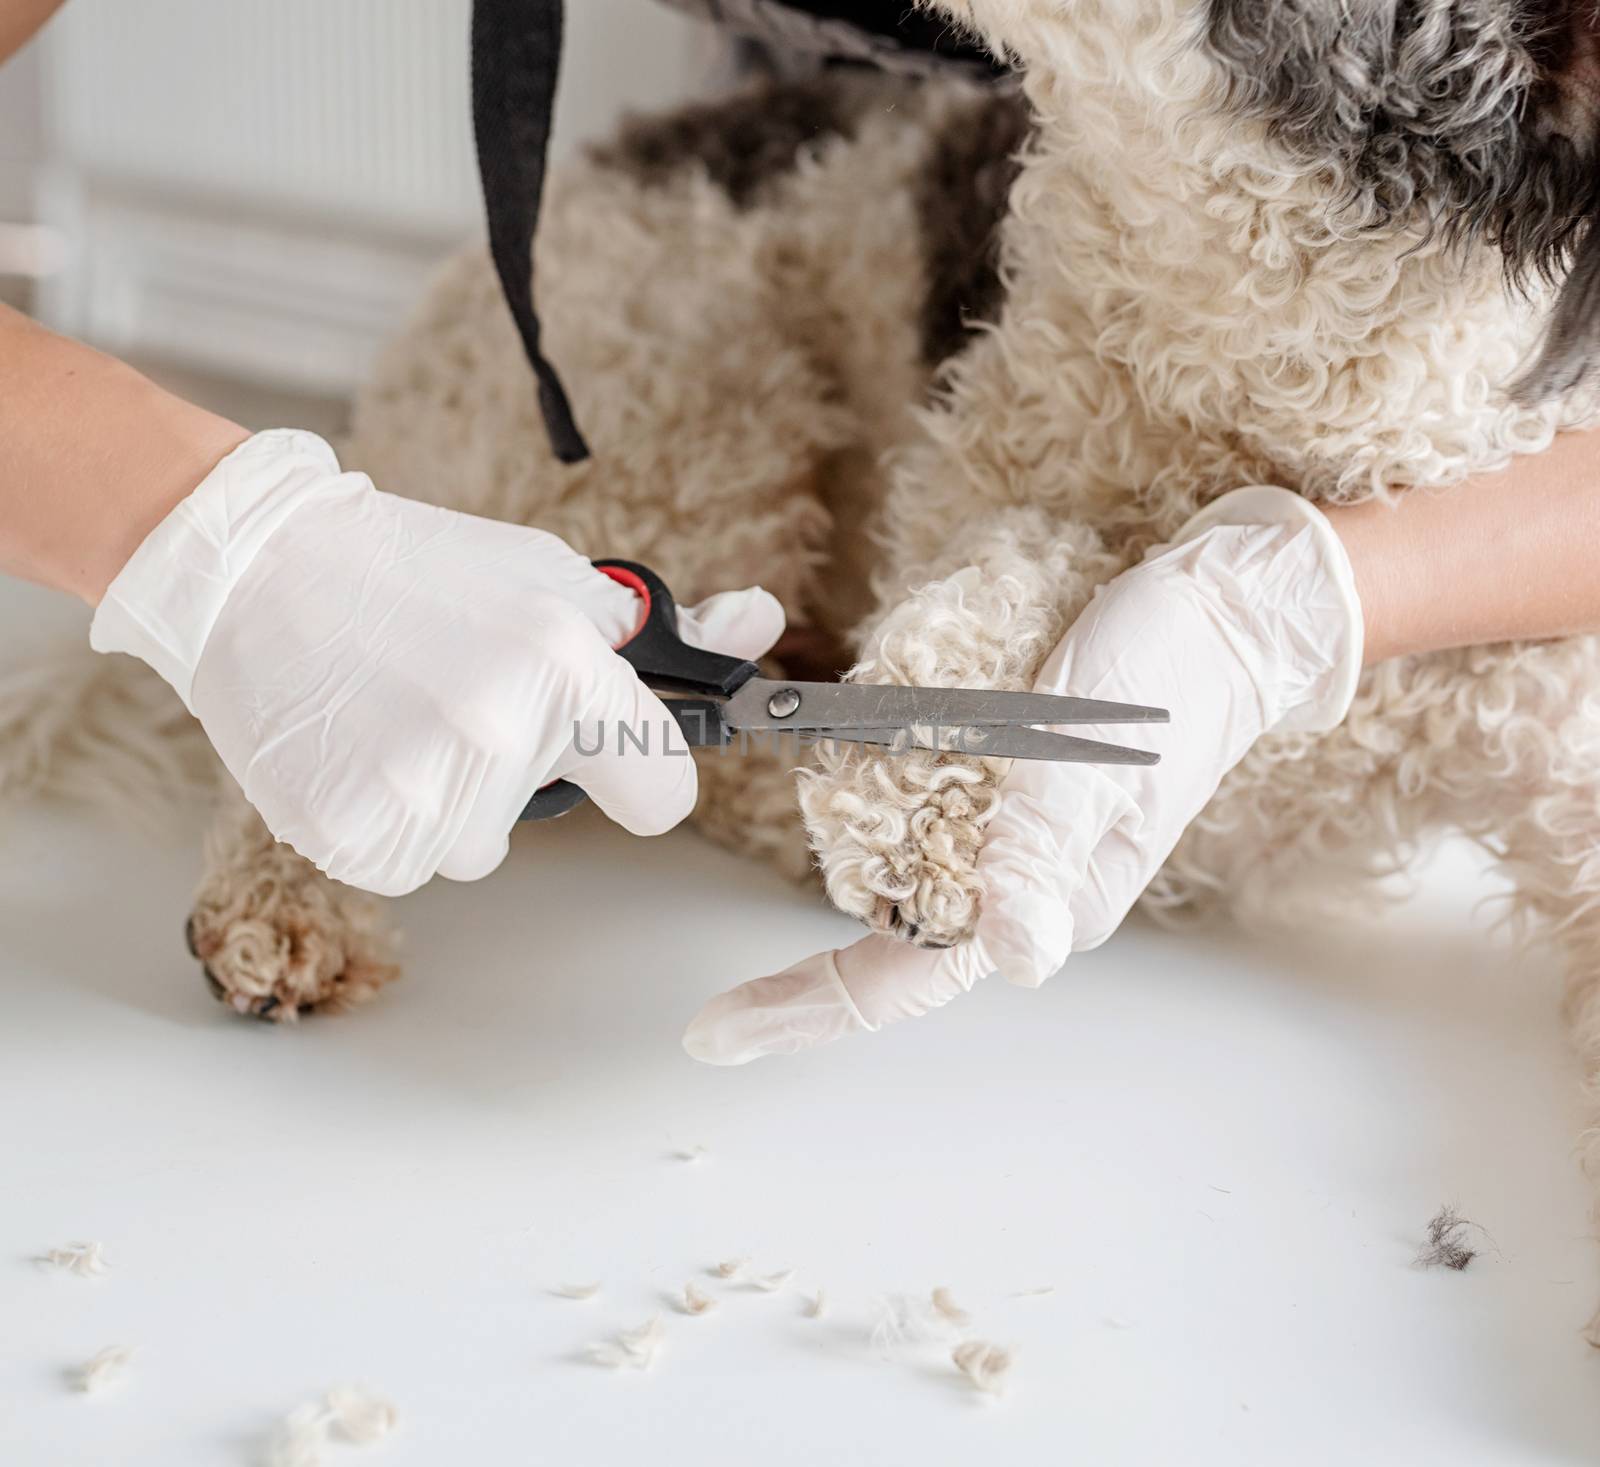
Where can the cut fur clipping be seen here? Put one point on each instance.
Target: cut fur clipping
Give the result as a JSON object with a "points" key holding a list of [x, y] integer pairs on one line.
{"points": [[987, 1366], [729, 1268], [1447, 1245], [84, 1259], [633, 1348], [359, 1416], [104, 1368], [691, 1153], [694, 1302], [575, 1291], [300, 1438], [817, 1305], [770, 1283], [945, 1305], [348, 1413], [902, 1320]]}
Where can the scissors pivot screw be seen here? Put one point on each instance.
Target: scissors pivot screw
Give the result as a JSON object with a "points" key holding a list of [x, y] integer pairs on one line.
{"points": [[783, 703]]}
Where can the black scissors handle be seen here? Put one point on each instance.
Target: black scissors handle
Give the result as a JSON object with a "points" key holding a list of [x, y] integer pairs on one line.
{"points": [[668, 664]]}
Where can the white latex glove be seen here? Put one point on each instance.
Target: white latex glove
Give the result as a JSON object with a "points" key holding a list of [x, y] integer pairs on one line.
{"points": [[390, 681], [1248, 623]]}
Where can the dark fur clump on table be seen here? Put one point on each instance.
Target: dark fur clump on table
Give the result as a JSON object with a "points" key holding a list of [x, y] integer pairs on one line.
{"points": [[1447, 1246]]}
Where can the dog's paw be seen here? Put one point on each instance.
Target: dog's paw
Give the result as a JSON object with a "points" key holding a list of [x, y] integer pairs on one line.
{"points": [[277, 939], [897, 838], [897, 834]]}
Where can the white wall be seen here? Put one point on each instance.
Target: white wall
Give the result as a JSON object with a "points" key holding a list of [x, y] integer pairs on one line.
{"points": [[342, 110], [19, 133], [20, 144], [627, 55], [258, 188]]}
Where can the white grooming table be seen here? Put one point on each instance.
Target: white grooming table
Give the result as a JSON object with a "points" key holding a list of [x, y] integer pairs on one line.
{"points": [[1221, 1154]]}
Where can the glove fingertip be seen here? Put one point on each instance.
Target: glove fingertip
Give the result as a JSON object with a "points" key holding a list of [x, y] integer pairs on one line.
{"points": [[475, 855], [641, 775], [803, 1006], [744, 623], [711, 1040], [668, 804]]}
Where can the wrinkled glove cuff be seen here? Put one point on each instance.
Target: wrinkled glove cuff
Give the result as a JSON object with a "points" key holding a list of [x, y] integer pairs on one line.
{"points": [[163, 604], [1265, 504]]}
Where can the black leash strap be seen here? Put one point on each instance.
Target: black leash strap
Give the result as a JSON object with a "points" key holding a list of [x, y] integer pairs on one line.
{"points": [[516, 56]]}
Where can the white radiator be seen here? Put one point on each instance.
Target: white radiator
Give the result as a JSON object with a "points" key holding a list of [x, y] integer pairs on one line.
{"points": [[335, 110], [259, 187]]}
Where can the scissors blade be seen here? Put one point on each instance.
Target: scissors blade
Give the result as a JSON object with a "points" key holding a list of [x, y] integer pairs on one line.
{"points": [[764, 705], [997, 743]]}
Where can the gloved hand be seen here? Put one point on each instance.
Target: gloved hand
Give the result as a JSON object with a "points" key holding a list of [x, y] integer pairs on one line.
{"points": [[1248, 623], [390, 681]]}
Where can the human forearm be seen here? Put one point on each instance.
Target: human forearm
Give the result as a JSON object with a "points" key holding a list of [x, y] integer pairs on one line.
{"points": [[19, 19], [1511, 556], [92, 457]]}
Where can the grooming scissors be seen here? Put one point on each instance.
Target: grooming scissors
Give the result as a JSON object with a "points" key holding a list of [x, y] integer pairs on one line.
{"points": [[727, 698]]}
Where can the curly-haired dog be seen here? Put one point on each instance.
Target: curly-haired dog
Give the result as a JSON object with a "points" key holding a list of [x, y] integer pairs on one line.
{"points": [[931, 361]]}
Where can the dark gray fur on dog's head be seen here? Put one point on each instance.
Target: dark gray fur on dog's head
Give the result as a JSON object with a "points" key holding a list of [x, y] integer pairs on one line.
{"points": [[1478, 116]]}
